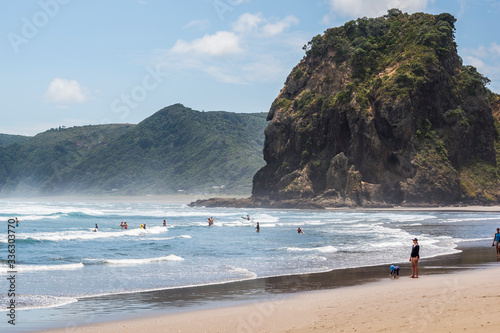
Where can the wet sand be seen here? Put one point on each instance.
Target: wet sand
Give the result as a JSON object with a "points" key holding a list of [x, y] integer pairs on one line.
{"points": [[348, 300], [465, 301]]}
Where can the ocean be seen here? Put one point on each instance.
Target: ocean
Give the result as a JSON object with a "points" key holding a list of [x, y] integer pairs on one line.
{"points": [[60, 259]]}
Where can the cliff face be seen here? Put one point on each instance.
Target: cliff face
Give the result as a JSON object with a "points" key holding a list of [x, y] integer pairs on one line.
{"points": [[382, 111]]}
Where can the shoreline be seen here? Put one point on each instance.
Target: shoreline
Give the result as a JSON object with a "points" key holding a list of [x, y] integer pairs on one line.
{"points": [[218, 299], [368, 306], [192, 198]]}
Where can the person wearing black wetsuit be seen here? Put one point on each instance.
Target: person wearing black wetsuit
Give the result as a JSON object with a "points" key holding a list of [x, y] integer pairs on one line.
{"points": [[414, 256]]}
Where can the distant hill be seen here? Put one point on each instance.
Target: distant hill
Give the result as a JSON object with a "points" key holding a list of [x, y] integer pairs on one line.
{"points": [[8, 139], [176, 149]]}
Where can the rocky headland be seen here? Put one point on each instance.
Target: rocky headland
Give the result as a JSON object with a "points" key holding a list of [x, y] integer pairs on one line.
{"points": [[380, 112]]}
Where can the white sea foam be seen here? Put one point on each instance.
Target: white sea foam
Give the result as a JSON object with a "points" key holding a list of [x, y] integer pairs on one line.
{"points": [[262, 218], [247, 274], [89, 234], [314, 222], [40, 217], [322, 249], [31, 268], [169, 238], [170, 257], [26, 302], [469, 219]]}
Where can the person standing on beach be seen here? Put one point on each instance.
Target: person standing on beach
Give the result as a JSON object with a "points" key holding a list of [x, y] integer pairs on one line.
{"points": [[496, 242], [414, 256]]}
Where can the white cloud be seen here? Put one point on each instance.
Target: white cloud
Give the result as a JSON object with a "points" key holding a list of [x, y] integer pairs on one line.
{"points": [[495, 49], [65, 91], [265, 68], [220, 44], [200, 24], [224, 56], [273, 29], [248, 22], [487, 62], [374, 8]]}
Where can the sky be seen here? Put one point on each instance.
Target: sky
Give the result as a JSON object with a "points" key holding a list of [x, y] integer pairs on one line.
{"points": [[88, 62]]}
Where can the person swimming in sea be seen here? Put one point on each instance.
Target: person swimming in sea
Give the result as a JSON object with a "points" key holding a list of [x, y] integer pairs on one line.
{"points": [[257, 228], [17, 222]]}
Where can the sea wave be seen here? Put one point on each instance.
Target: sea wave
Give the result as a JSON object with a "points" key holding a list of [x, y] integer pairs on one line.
{"points": [[170, 257], [26, 302], [89, 234], [169, 238], [31, 268], [243, 272], [322, 249], [468, 219]]}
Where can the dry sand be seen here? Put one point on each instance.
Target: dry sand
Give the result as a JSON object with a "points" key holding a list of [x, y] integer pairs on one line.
{"points": [[456, 302]]}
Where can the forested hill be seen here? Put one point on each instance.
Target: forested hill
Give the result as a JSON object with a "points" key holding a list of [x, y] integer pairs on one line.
{"points": [[7, 139], [176, 149]]}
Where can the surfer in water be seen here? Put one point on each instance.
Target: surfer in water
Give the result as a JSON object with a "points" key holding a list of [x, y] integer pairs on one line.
{"points": [[17, 222], [257, 228], [300, 231], [96, 228]]}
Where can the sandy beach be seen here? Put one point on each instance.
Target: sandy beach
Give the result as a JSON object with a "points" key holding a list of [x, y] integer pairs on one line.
{"points": [[463, 301]]}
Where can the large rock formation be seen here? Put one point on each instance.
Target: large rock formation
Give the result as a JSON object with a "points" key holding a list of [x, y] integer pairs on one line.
{"points": [[382, 112]]}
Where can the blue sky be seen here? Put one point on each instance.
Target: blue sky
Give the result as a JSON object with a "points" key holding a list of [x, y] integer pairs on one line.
{"points": [[75, 62]]}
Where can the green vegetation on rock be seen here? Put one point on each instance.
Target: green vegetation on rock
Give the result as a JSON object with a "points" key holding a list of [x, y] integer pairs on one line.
{"points": [[391, 95]]}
